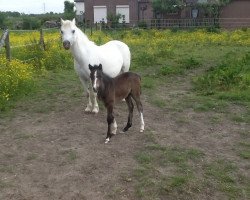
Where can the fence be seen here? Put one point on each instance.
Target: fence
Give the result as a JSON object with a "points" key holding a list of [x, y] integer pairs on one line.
{"points": [[5, 41], [228, 23]]}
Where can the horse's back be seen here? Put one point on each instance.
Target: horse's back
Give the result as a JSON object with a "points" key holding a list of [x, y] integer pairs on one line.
{"points": [[124, 51]]}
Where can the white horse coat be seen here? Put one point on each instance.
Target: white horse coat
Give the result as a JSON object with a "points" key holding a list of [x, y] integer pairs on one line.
{"points": [[114, 56]]}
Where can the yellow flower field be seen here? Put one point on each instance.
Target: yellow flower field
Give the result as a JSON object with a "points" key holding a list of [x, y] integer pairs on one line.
{"points": [[147, 46]]}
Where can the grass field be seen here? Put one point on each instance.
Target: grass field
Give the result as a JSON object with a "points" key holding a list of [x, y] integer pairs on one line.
{"points": [[196, 92]]}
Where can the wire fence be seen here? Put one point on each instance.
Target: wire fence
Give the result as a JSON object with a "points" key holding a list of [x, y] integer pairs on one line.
{"points": [[7, 48], [227, 23]]}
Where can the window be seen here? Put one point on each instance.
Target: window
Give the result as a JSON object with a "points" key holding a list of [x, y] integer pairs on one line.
{"points": [[124, 11], [100, 14]]}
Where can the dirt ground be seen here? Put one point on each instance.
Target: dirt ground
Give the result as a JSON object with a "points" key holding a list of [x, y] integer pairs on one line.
{"points": [[62, 155]]}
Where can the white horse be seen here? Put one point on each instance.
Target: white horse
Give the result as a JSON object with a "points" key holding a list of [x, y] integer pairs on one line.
{"points": [[114, 56]]}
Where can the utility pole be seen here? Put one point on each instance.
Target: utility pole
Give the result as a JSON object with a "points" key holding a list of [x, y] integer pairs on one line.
{"points": [[44, 8]]}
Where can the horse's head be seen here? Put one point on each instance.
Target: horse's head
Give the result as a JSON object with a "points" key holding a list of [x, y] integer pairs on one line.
{"points": [[96, 76], [68, 29]]}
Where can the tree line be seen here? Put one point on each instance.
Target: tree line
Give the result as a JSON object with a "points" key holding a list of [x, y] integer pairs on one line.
{"points": [[16, 20]]}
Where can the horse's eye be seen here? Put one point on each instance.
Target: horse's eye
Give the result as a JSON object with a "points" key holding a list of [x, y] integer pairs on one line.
{"points": [[73, 31], [61, 32]]}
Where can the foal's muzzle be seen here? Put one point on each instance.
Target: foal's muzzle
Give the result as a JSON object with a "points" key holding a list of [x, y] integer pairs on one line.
{"points": [[66, 44]]}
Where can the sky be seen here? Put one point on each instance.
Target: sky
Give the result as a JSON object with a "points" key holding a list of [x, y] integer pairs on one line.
{"points": [[33, 6]]}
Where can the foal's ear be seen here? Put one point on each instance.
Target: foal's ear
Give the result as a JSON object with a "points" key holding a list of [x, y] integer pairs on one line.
{"points": [[74, 21], [90, 67], [100, 67]]}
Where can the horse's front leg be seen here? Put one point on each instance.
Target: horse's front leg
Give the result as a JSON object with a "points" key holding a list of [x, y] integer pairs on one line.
{"points": [[112, 126], [85, 84]]}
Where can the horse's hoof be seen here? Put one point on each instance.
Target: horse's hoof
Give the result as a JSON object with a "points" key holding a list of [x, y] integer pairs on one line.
{"points": [[107, 140], [122, 131], [95, 110], [141, 130]]}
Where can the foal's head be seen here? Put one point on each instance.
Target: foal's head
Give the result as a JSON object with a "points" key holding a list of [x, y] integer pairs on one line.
{"points": [[68, 29], [96, 76]]}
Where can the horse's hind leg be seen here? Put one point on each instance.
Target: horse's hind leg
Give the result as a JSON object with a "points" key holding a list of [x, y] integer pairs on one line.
{"points": [[130, 115], [137, 99]]}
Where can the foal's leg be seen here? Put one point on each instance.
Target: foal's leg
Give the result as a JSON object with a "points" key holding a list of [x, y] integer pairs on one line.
{"points": [[94, 103], [111, 123], [136, 97], [130, 115], [89, 95]]}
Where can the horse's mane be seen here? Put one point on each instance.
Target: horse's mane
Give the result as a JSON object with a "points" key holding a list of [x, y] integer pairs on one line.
{"points": [[83, 36]]}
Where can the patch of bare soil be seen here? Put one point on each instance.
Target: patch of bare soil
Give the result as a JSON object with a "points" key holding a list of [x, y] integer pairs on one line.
{"points": [[62, 155]]}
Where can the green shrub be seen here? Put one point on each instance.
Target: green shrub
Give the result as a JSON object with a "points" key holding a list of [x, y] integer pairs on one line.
{"points": [[190, 63], [229, 76]]}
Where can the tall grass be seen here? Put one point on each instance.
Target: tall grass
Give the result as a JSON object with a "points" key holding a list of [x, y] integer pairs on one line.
{"points": [[230, 78], [17, 78]]}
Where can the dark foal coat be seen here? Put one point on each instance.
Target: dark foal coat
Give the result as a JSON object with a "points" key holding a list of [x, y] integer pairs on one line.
{"points": [[111, 90]]}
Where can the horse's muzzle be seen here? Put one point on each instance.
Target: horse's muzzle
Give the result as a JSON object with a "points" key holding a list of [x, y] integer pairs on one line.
{"points": [[66, 44]]}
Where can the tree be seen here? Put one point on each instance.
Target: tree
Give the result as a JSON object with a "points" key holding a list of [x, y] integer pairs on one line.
{"points": [[69, 12], [167, 6], [213, 8], [2, 19]]}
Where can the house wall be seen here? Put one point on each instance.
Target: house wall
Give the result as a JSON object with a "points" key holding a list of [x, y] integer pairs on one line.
{"points": [[111, 8], [236, 14], [145, 10]]}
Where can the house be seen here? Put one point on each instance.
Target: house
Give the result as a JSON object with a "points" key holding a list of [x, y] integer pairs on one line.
{"points": [[190, 12], [131, 11]]}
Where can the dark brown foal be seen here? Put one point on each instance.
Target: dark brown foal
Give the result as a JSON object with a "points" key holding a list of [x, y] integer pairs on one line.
{"points": [[111, 90]]}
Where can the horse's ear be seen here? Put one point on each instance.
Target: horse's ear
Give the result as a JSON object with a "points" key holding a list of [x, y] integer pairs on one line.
{"points": [[62, 21], [100, 66], [74, 21], [90, 67]]}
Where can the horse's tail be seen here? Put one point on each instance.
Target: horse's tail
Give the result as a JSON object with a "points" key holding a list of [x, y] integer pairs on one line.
{"points": [[126, 55]]}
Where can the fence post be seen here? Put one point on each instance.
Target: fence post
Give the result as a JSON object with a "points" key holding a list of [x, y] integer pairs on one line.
{"points": [[91, 29], [6, 40], [7, 46], [41, 41]]}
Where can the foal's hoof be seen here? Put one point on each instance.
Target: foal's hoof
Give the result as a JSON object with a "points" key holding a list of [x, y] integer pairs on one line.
{"points": [[107, 140], [88, 110], [141, 130]]}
